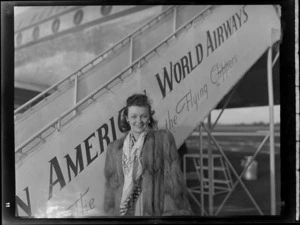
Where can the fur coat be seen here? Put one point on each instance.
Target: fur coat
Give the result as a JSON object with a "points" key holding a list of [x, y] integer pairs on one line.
{"points": [[163, 189]]}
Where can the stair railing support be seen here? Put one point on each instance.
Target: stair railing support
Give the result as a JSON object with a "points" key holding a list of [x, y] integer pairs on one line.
{"points": [[75, 91], [201, 171], [210, 171], [271, 128], [174, 19], [131, 51]]}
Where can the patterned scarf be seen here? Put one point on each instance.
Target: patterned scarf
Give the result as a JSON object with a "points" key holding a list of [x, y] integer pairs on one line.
{"points": [[132, 169]]}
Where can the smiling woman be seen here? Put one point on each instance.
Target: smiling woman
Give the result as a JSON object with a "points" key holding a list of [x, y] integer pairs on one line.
{"points": [[137, 105], [142, 169], [138, 119]]}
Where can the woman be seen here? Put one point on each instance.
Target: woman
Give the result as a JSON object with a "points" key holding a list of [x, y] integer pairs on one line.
{"points": [[142, 169]]}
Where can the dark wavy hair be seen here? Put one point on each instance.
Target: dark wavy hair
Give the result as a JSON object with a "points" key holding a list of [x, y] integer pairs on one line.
{"points": [[137, 100]]}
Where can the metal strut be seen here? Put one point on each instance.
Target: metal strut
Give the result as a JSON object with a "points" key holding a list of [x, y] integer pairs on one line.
{"points": [[242, 173], [232, 168], [269, 136], [272, 138]]}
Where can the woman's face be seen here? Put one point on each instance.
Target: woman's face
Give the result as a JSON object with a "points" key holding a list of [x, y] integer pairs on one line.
{"points": [[138, 119]]}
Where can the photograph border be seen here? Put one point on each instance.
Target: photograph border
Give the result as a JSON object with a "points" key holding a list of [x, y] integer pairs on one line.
{"points": [[287, 125]]}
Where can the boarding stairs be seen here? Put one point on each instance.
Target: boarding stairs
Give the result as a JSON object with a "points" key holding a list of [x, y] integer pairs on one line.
{"points": [[35, 114], [178, 59]]}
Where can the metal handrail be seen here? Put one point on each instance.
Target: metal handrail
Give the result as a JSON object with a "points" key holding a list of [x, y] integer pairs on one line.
{"points": [[103, 55], [118, 76]]}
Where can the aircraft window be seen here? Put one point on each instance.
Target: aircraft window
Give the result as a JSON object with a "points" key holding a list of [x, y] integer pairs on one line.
{"points": [[78, 17], [55, 25], [106, 9], [36, 33], [19, 39]]}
